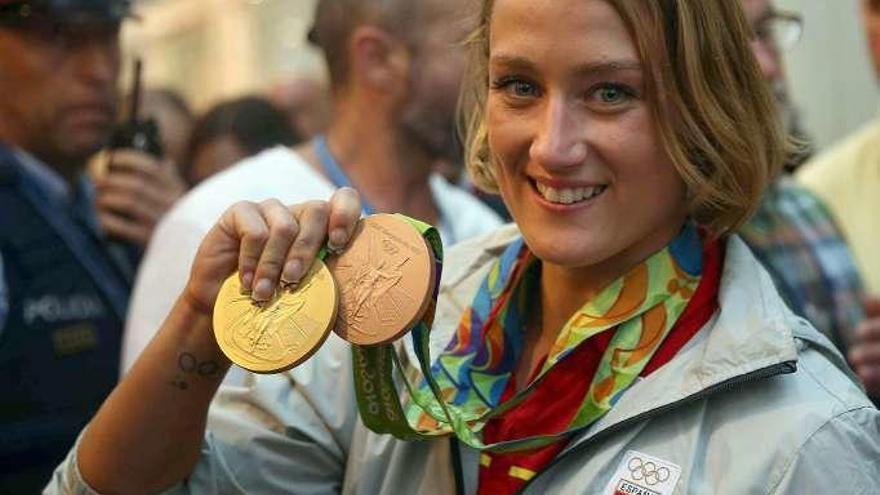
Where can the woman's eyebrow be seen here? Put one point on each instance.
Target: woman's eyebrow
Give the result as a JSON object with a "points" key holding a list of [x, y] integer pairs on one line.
{"points": [[511, 62], [522, 63], [606, 66]]}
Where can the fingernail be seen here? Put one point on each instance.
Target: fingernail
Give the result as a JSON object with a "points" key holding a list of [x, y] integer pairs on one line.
{"points": [[263, 290], [247, 279], [337, 240], [293, 271]]}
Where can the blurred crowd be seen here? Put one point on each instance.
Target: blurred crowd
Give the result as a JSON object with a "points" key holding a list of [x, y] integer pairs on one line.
{"points": [[104, 198]]}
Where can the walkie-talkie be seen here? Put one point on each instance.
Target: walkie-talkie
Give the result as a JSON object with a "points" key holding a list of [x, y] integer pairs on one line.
{"points": [[138, 134], [134, 132]]}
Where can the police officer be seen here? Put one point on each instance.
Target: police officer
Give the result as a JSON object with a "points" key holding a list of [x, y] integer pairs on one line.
{"points": [[62, 295]]}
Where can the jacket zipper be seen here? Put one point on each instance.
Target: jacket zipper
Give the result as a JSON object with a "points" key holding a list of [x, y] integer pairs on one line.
{"points": [[784, 368]]}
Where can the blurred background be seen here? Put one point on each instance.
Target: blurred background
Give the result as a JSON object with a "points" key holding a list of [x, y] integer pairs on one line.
{"points": [[830, 71], [211, 50]]}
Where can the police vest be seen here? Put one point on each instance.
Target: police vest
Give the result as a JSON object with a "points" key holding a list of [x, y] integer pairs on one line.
{"points": [[60, 345]]}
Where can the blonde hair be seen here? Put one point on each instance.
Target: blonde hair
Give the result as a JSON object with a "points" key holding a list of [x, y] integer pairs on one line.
{"points": [[714, 112]]}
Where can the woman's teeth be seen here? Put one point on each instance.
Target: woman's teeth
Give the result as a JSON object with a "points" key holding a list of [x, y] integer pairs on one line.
{"points": [[569, 196]]}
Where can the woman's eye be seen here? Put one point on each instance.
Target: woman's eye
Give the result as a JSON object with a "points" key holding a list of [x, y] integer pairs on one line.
{"points": [[611, 94], [517, 88], [523, 89]]}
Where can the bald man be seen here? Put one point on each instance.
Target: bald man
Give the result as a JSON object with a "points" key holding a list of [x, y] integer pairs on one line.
{"points": [[395, 68]]}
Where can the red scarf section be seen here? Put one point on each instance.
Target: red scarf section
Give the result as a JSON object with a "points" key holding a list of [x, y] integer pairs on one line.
{"points": [[552, 405]]}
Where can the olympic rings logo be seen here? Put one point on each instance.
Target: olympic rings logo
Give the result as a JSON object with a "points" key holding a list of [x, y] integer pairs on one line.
{"points": [[647, 471]]}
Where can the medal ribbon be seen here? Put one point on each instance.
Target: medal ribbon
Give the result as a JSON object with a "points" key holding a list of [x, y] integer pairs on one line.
{"points": [[461, 392]]}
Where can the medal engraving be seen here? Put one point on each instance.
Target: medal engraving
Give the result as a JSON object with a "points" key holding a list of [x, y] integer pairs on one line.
{"points": [[386, 277], [277, 335]]}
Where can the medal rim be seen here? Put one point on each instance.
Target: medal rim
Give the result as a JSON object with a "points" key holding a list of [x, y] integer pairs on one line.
{"points": [[431, 262], [325, 332]]}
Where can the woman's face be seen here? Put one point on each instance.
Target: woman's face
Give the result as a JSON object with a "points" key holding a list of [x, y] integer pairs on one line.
{"points": [[578, 158]]}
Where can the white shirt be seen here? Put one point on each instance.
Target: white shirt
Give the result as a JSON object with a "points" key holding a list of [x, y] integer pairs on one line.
{"points": [[277, 173]]}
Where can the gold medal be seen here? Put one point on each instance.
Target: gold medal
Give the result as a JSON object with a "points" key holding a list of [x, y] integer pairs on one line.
{"points": [[277, 335], [386, 278]]}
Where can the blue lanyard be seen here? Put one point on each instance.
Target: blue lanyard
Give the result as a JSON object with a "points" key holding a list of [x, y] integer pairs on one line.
{"points": [[339, 179], [334, 171]]}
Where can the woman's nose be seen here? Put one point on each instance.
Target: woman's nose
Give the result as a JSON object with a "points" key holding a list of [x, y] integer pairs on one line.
{"points": [[559, 142]]}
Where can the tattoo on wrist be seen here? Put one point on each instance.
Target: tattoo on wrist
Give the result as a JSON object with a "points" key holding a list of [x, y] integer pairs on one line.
{"points": [[188, 366]]}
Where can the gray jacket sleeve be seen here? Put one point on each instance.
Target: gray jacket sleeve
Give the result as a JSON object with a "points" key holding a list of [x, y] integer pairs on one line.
{"points": [[285, 433], [843, 456]]}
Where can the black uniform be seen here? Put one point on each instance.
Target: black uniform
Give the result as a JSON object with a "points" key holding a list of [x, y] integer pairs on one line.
{"points": [[64, 306]]}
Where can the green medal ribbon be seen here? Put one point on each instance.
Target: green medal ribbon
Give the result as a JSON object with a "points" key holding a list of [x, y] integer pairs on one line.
{"points": [[377, 394]]}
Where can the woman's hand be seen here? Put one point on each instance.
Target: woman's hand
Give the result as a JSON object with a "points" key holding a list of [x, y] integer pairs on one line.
{"points": [[265, 242], [269, 243]]}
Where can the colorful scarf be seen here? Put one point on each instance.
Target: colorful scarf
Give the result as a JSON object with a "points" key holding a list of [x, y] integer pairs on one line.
{"points": [[641, 308]]}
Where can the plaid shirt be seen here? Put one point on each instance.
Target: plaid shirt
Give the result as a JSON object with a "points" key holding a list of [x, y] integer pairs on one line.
{"points": [[796, 239]]}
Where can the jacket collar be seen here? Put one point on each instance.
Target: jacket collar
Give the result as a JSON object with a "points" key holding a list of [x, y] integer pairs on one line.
{"points": [[751, 336]]}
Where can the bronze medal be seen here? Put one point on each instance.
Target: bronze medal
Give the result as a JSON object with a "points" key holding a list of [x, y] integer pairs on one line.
{"points": [[278, 335], [386, 279]]}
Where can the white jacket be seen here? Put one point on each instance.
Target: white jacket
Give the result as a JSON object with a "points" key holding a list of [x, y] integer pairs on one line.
{"points": [[758, 402]]}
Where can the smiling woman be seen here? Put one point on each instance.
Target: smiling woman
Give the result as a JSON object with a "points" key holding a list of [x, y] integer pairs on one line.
{"points": [[697, 86], [617, 339], [606, 132]]}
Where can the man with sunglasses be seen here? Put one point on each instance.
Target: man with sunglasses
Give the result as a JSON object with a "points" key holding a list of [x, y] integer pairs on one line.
{"points": [[64, 294], [792, 233]]}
